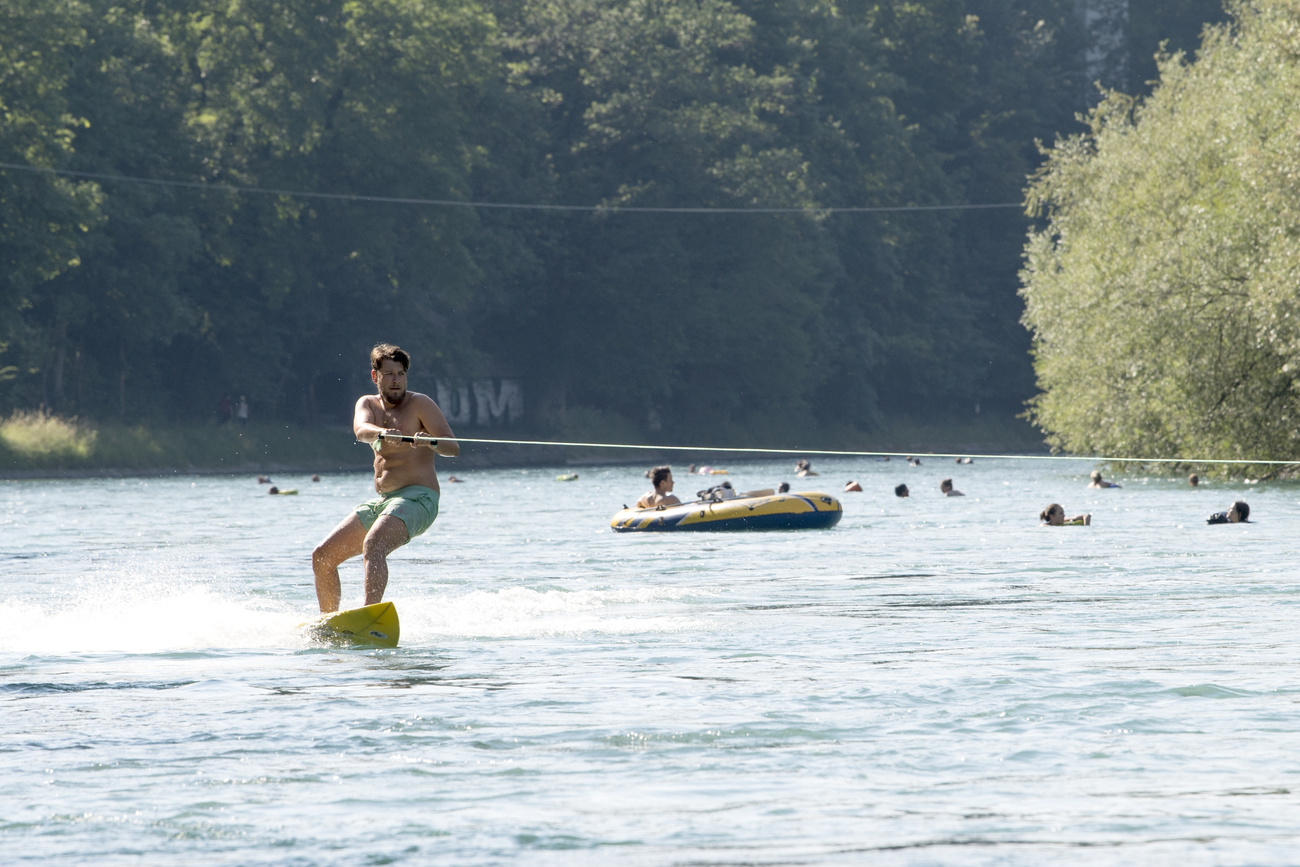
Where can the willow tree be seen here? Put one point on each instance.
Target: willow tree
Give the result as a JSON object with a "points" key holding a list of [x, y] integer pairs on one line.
{"points": [[1163, 291]]}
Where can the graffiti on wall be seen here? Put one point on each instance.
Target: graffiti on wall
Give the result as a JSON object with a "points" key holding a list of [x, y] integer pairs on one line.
{"points": [[484, 402]]}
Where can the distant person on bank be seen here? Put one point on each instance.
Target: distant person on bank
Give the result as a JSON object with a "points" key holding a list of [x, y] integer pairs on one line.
{"points": [[405, 479], [1054, 516], [1239, 513], [1096, 481], [946, 488], [241, 411], [662, 493]]}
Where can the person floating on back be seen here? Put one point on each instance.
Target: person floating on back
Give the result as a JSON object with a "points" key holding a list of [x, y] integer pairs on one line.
{"points": [[946, 488], [405, 479], [1239, 513], [1054, 516], [662, 493], [1096, 481]]}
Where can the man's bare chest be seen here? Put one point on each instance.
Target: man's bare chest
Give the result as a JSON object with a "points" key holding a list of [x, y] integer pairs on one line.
{"points": [[403, 417]]}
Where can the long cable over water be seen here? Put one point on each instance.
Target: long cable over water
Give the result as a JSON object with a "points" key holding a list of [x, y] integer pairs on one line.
{"points": [[881, 454], [517, 206]]}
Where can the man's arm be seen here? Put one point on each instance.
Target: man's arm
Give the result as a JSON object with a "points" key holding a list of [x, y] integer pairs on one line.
{"points": [[363, 422], [433, 421]]}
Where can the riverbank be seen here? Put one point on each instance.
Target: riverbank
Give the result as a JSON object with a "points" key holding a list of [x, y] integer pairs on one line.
{"points": [[34, 446]]}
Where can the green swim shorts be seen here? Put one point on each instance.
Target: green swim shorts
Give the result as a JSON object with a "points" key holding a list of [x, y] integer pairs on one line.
{"points": [[415, 505]]}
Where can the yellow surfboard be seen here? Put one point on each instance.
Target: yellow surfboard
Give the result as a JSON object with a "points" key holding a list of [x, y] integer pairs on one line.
{"points": [[375, 625]]}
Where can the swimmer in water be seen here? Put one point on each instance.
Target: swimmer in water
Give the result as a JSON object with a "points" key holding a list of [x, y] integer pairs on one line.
{"points": [[662, 495], [1054, 516], [1239, 513], [901, 491], [946, 488], [783, 488], [1096, 481], [1193, 480], [803, 468], [852, 486]]}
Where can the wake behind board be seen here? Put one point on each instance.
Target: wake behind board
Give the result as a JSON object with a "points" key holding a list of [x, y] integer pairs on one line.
{"points": [[375, 625]]}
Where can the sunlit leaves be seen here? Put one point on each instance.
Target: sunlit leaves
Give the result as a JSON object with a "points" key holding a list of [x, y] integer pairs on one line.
{"points": [[1162, 293]]}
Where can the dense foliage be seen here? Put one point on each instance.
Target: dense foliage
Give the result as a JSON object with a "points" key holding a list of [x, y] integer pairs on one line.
{"points": [[138, 301], [1164, 292]]}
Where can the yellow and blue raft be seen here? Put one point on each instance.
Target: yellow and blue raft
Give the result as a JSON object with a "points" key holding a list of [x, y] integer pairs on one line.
{"points": [[801, 511]]}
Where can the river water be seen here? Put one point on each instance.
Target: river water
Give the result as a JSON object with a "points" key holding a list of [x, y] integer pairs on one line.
{"points": [[935, 681]]}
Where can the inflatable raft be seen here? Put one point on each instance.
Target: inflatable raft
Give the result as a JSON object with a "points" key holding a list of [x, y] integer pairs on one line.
{"points": [[802, 511]]}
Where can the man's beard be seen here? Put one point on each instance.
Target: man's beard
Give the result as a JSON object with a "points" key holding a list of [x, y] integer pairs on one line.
{"points": [[394, 401]]}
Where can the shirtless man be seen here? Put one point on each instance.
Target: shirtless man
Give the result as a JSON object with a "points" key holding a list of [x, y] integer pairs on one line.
{"points": [[662, 495], [405, 479]]}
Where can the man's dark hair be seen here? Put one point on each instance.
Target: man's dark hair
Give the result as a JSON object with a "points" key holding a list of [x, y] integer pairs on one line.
{"points": [[658, 474], [388, 351], [900, 490], [1243, 510]]}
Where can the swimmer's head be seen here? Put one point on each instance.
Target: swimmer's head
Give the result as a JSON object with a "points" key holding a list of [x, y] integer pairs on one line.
{"points": [[1193, 480], [1239, 512], [783, 488], [900, 491], [1053, 514], [945, 486], [1095, 475], [660, 475]]}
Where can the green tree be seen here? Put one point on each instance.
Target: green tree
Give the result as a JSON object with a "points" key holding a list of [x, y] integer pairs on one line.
{"points": [[43, 218], [1162, 292], [690, 318]]}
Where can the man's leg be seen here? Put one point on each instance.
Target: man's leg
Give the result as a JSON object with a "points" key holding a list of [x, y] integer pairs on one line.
{"points": [[342, 544], [386, 536]]}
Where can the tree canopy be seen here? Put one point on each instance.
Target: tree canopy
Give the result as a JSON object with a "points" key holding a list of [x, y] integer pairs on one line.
{"points": [[208, 274], [1164, 289]]}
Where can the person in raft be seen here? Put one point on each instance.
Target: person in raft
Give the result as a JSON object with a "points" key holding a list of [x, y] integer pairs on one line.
{"points": [[946, 488], [1054, 516], [662, 494], [405, 479], [1096, 481], [1238, 514]]}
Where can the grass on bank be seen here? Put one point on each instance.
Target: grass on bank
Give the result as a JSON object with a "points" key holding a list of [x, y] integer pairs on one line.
{"points": [[33, 442]]}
